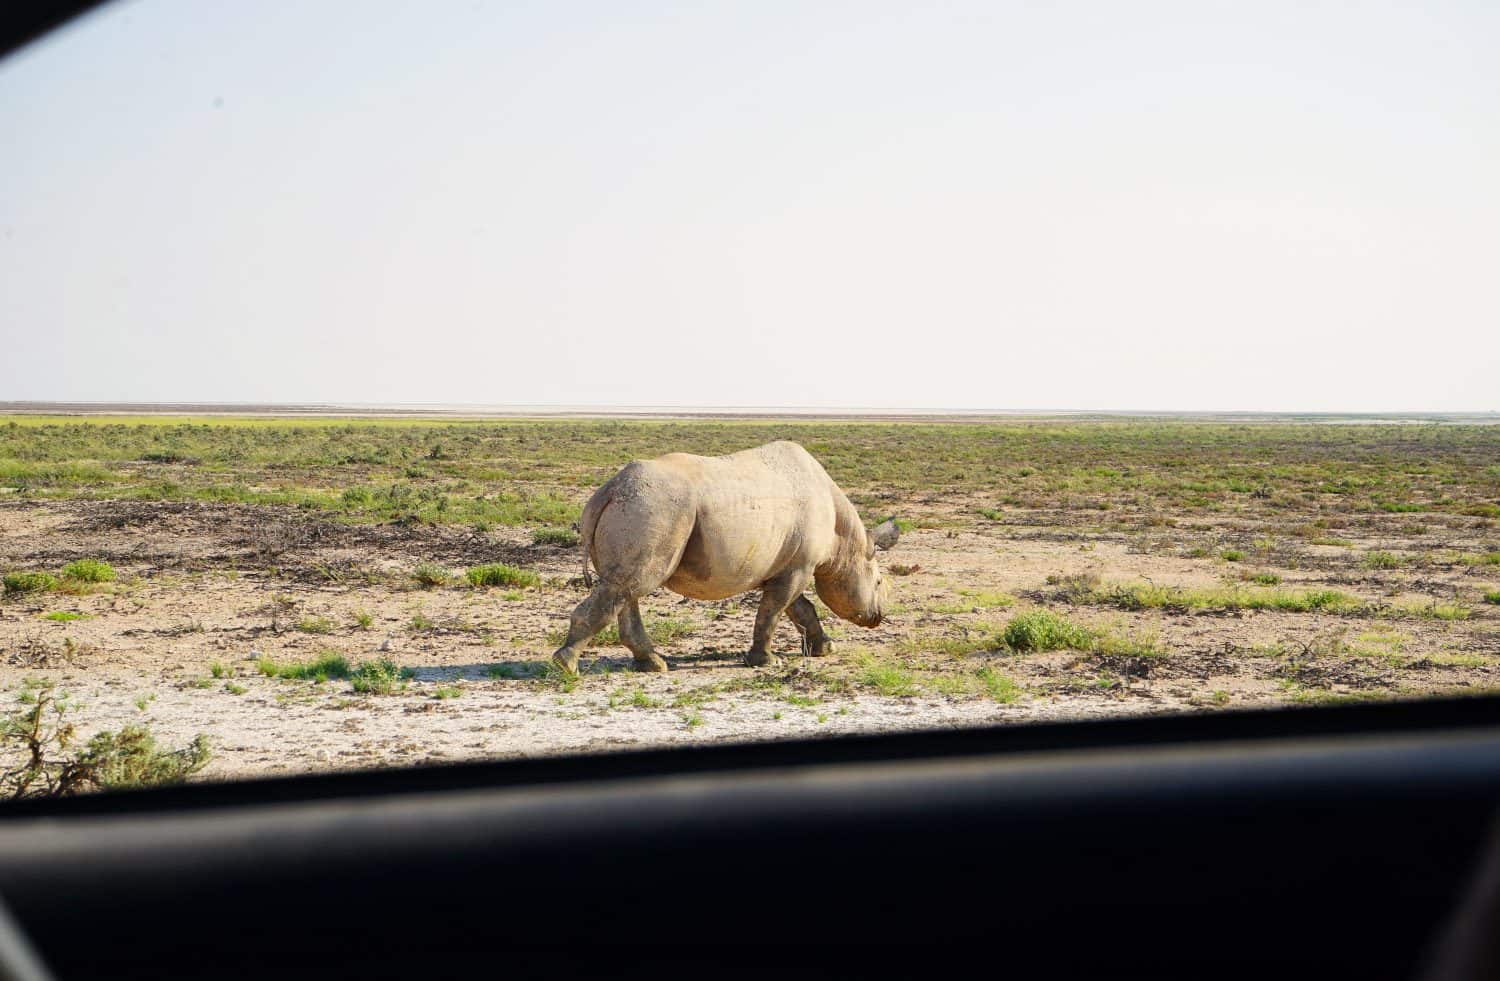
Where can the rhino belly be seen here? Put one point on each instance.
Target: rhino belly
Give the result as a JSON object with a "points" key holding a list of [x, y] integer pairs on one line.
{"points": [[734, 553]]}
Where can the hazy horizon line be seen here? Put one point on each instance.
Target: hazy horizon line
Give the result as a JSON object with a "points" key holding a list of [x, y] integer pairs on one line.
{"points": [[504, 409]]}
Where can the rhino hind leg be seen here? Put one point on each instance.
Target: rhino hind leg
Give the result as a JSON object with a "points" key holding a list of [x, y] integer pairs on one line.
{"points": [[633, 634], [815, 642], [776, 595], [588, 618]]}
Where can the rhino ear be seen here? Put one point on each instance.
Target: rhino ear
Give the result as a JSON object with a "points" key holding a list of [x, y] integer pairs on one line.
{"points": [[885, 534]]}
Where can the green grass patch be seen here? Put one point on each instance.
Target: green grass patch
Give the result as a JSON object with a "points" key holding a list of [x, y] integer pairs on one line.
{"points": [[979, 599], [1000, 687], [1147, 596], [328, 664], [430, 576], [566, 537], [1487, 558], [1043, 630], [65, 616], [500, 574], [379, 677], [887, 679], [315, 625], [89, 570], [1429, 610], [28, 582], [639, 699], [1383, 560], [1492, 596]]}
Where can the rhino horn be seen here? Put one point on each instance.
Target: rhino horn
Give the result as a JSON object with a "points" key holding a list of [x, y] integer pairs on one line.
{"points": [[885, 534]]}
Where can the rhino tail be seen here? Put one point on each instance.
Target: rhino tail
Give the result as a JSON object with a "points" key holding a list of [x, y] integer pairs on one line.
{"points": [[586, 524]]}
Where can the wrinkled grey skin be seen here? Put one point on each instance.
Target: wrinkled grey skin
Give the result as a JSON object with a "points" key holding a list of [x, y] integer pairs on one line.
{"points": [[709, 528]]}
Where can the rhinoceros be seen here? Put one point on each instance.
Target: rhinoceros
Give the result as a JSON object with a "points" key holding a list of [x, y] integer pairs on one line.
{"points": [[768, 518]]}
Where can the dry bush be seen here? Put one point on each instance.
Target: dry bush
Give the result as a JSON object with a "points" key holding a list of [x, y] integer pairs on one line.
{"points": [[42, 737]]}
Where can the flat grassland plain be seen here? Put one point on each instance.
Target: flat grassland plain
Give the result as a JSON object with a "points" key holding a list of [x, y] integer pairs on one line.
{"points": [[322, 593]]}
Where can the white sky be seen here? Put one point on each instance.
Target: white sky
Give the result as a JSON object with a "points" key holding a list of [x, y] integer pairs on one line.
{"points": [[1196, 205]]}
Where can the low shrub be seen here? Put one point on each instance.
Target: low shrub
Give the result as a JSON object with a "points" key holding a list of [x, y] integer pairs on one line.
{"points": [[41, 737]]}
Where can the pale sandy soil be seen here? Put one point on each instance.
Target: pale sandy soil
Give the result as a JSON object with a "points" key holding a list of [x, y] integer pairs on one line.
{"points": [[204, 585]]}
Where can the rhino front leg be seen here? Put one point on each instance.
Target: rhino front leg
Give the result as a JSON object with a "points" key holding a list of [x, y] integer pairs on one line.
{"points": [[776, 595], [633, 633], [589, 617], [814, 641]]}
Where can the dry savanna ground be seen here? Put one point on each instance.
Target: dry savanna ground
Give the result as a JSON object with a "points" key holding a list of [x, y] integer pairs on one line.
{"points": [[299, 592]]}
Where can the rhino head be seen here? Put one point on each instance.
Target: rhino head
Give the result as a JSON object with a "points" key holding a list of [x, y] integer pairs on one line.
{"points": [[853, 586]]}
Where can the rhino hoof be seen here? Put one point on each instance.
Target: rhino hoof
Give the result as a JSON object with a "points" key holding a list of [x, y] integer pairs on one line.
{"points": [[651, 663], [567, 661], [818, 650], [759, 659]]}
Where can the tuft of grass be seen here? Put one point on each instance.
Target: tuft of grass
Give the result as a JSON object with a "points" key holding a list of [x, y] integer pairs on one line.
{"points": [[639, 699], [1383, 560], [379, 677], [1043, 630], [1487, 558], [235, 689], [430, 576], [982, 600], [999, 687], [993, 514], [28, 582], [328, 664], [1430, 611], [887, 679], [1147, 596], [89, 570], [315, 625], [1124, 645], [566, 537], [446, 692], [1492, 596], [64, 616], [219, 669], [363, 620], [1266, 579], [500, 574], [1232, 555]]}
